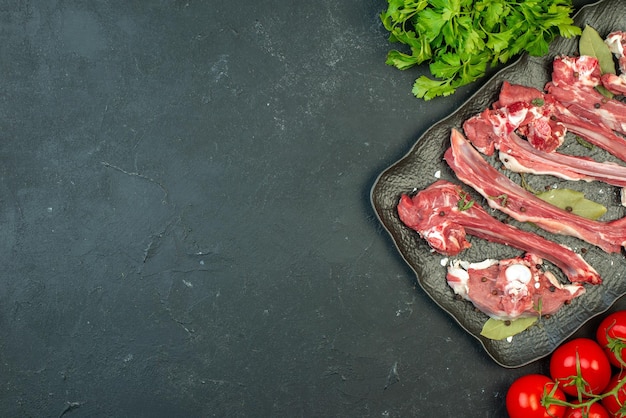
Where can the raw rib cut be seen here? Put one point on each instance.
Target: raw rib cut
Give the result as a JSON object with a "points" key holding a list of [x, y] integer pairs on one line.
{"points": [[494, 129], [518, 156], [599, 135], [505, 195], [436, 214], [543, 132], [511, 288]]}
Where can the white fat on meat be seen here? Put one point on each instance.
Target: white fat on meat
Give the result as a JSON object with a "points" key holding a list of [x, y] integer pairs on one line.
{"points": [[515, 118], [615, 42], [510, 288], [523, 206], [583, 71], [459, 270], [437, 208]]}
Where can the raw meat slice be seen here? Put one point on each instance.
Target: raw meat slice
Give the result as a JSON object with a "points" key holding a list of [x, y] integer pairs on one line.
{"points": [[512, 288], [493, 129], [573, 86], [616, 84], [505, 195], [599, 135], [518, 156], [576, 72], [591, 106], [616, 42], [515, 93], [443, 215], [531, 120]]}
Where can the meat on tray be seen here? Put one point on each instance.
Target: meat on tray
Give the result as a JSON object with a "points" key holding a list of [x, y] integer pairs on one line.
{"points": [[443, 215], [511, 288], [495, 129], [512, 95], [573, 82], [527, 126], [503, 194]]}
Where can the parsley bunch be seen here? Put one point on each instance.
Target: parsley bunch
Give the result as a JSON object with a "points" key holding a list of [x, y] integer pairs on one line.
{"points": [[461, 39]]}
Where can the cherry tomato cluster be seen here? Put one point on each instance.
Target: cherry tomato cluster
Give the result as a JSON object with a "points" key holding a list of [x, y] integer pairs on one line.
{"points": [[587, 378]]}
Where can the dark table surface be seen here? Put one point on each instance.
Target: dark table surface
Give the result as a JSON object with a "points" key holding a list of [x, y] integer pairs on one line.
{"points": [[186, 224]]}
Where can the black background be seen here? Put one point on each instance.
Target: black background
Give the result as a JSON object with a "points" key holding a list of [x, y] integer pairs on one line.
{"points": [[186, 224]]}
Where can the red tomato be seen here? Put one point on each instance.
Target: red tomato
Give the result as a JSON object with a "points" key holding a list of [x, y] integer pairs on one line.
{"points": [[611, 335], [595, 410], [523, 400], [586, 355], [615, 403]]}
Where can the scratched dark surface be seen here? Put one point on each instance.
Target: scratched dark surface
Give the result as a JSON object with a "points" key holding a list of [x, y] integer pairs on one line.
{"points": [[186, 225]]}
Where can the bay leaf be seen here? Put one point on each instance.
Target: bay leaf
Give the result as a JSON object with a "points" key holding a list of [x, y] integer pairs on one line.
{"points": [[573, 201], [496, 329], [592, 44], [604, 91]]}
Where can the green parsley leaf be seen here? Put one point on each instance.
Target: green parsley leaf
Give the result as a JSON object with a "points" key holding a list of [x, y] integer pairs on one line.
{"points": [[429, 24], [461, 39], [427, 89], [492, 12], [447, 66], [498, 41]]}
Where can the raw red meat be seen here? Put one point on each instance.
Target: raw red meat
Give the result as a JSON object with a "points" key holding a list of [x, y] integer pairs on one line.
{"points": [[533, 121], [599, 135], [493, 129], [511, 288], [442, 214], [505, 195], [576, 72], [617, 44], [572, 85], [514, 93], [614, 83], [518, 156]]}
